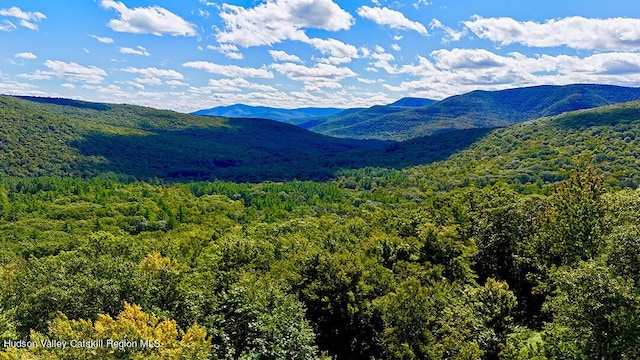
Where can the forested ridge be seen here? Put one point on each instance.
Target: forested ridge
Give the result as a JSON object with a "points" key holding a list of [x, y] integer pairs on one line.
{"points": [[522, 243], [476, 109]]}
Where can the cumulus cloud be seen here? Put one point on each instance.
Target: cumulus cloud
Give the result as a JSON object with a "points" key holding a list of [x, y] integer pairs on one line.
{"points": [[147, 20], [229, 50], [391, 18], [19, 88], [449, 33], [176, 83], [338, 51], [148, 81], [104, 40], [236, 84], [74, 72], [316, 77], [467, 59], [229, 70], [38, 75], [26, 56], [448, 72], [575, 32], [279, 20], [26, 19], [139, 50], [367, 81], [153, 72], [279, 55]]}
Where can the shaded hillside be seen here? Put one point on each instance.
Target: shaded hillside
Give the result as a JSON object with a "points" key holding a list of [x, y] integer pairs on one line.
{"points": [[290, 116], [344, 120], [477, 109], [45, 136]]}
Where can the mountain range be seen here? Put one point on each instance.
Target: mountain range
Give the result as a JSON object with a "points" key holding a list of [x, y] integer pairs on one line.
{"points": [[413, 117], [290, 116], [60, 137]]}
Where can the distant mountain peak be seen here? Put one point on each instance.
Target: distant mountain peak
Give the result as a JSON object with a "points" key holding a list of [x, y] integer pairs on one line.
{"points": [[413, 102]]}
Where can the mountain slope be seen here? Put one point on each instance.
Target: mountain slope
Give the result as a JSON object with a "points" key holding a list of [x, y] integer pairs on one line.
{"points": [[44, 136], [291, 116], [349, 118], [477, 109], [548, 149]]}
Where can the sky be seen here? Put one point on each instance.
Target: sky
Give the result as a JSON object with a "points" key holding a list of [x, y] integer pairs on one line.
{"points": [[188, 55]]}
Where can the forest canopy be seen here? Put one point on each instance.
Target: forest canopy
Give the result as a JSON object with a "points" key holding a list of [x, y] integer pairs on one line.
{"points": [[515, 243]]}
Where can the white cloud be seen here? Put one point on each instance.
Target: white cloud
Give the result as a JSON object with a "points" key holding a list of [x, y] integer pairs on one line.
{"points": [[154, 76], [147, 20], [367, 81], [136, 85], [450, 34], [113, 91], [279, 20], [396, 47], [279, 55], [314, 78], [456, 71], [382, 60], [155, 72], [338, 51], [139, 50], [229, 70], [176, 83], [68, 86], [75, 72], [28, 20], [467, 59], [149, 81], [104, 40], [421, 2], [7, 26], [18, 88], [26, 56], [228, 50], [391, 18], [575, 32], [38, 75], [236, 84]]}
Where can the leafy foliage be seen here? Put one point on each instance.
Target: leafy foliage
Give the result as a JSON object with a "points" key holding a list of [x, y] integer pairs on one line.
{"points": [[460, 259]]}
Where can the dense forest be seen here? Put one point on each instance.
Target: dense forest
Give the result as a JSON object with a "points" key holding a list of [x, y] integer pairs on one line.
{"points": [[516, 243]]}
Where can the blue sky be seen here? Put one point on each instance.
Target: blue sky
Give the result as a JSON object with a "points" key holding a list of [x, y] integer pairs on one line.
{"points": [[192, 54]]}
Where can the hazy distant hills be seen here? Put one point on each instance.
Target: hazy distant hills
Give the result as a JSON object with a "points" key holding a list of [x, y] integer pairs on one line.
{"points": [[306, 117], [477, 109], [291, 116]]}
